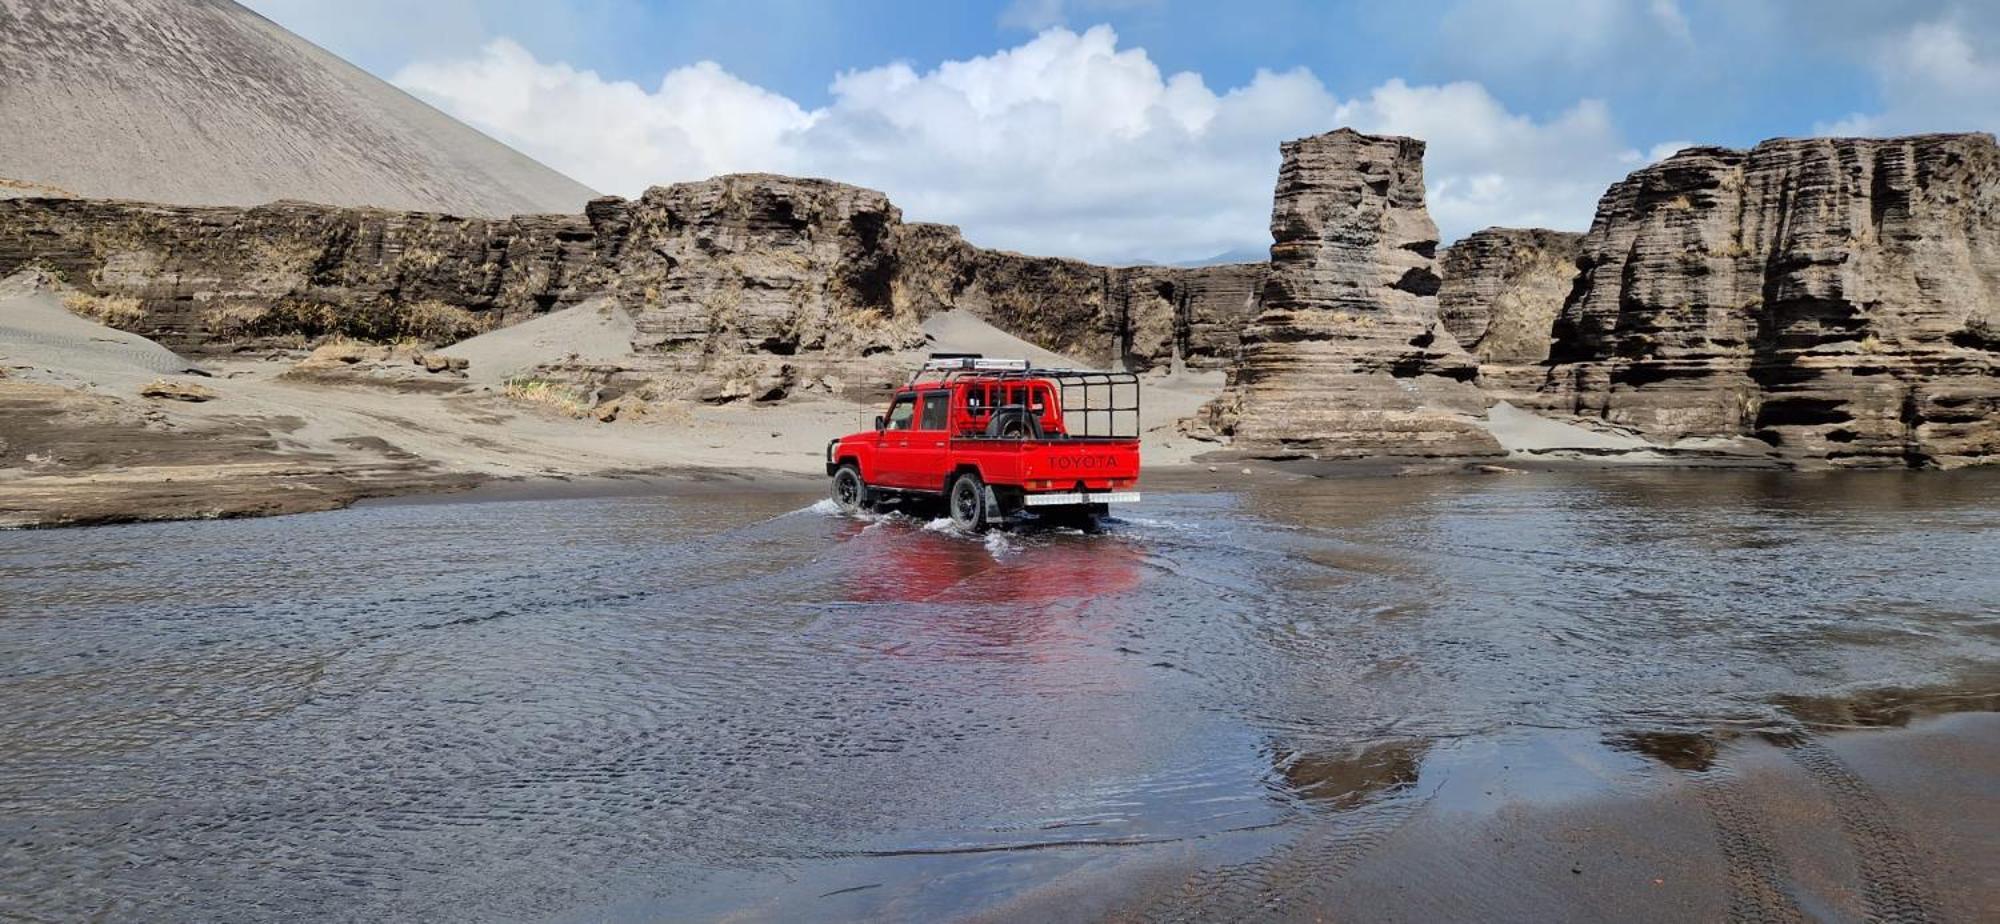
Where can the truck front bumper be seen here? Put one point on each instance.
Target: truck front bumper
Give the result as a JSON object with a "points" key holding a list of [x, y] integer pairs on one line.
{"points": [[1072, 498]]}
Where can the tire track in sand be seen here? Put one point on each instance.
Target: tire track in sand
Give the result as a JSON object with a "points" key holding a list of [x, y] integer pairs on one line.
{"points": [[1892, 882], [1757, 892], [1293, 876]]}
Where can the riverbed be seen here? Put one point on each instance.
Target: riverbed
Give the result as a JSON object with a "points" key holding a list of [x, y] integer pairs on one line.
{"points": [[1573, 694]]}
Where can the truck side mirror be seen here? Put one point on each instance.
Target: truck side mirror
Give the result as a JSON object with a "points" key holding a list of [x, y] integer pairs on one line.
{"points": [[881, 423]]}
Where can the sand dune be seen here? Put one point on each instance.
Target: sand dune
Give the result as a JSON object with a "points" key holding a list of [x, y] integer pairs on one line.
{"points": [[961, 331], [595, 331], [203, 102], [39, 336]]}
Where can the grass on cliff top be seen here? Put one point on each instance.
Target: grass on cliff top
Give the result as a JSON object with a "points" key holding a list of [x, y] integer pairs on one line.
{"points": [[556, 396], [109, 310]]}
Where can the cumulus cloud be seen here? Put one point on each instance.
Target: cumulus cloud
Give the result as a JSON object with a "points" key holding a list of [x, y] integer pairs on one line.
{"points": [[1066, 144], [615, 135], [1487, 166], [1933, 77]]}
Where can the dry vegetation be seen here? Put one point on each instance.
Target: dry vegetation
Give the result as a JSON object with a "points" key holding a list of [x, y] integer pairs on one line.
{"points": [[118, 311], [556, 396], [435, 322]]}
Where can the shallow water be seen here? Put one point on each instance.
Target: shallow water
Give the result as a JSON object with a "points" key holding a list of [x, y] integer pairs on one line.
{"points": [[662, 707]]}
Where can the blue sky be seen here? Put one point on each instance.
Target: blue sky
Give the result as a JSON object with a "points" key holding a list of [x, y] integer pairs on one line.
{"points": [[1148, 129]]}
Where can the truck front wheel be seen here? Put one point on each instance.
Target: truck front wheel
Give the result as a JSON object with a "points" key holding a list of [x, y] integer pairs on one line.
{"points": [[849, 491], [967, 502]]}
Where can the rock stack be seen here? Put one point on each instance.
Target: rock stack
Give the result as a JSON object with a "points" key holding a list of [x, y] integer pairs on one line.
{"points": [[1837, 298], [1347, 356]]}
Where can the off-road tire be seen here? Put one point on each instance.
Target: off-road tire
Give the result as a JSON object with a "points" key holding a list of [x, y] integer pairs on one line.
{"points": [[850, 491], [966, 503]]}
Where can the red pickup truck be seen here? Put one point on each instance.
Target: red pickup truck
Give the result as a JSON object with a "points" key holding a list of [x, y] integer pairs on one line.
{"points": [[995, 439]]}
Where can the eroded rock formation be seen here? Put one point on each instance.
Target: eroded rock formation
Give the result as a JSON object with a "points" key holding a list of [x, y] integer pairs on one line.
{"points": [[1139, 316], [208, 278], [740, 286], [1834, 298], [1346, 356], [1837, 298], [1503, 288]]}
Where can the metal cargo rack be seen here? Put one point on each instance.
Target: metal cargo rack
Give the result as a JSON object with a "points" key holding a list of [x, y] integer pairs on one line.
{"points": [[1093, 404]]}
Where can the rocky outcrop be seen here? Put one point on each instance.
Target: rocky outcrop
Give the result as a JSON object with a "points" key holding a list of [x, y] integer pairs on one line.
{"points": [[754, 263], [1194, 313], [1138, 317], [740, 286], [1503, 288], [1838, 299], [1346, 356], [213, 278]]}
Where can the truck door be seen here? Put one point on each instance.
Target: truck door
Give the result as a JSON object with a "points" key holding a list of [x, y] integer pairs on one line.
{"points": [[930, 454], [892, 452]]}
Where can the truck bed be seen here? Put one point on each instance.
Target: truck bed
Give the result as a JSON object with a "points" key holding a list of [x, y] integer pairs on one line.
{"points": [[1051, 464]]}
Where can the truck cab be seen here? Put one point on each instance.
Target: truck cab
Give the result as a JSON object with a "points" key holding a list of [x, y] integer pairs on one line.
{"points": [[997, 440]]}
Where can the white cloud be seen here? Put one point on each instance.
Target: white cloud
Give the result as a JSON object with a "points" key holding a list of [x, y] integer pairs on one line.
{"points": [[1487, 166], [613, 135], [1933, 77], [1664, 150], [1065, 144]]}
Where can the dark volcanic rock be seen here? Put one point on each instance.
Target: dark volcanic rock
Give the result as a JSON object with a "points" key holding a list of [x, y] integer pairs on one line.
{"points": [[213, 278], [731, 281], [755, 264], [1836, 298], [1503, 288], [1197, 313], [1346, 356], [1140, 317]]}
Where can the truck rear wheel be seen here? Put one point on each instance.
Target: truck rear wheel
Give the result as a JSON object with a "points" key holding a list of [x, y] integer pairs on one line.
{"points": [[849, 491], [967, 502]]}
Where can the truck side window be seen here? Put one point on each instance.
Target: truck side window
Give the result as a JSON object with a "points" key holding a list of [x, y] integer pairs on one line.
{"points": [[937, 408], [901, 412]]}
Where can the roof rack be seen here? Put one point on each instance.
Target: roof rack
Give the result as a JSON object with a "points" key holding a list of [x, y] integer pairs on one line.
{"points": [[1093, 403], [973, 362]]}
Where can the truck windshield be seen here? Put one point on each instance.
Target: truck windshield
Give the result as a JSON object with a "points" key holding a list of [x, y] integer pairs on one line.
{"points": [[901, 412]]}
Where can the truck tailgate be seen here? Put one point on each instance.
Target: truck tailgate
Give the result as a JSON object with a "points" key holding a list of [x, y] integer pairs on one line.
{"points": [[1097, 465]]}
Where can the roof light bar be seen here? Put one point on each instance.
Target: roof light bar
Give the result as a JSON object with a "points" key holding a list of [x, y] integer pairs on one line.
{"points": [[977, 363]]}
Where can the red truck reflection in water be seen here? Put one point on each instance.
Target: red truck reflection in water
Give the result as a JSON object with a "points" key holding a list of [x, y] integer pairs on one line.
{"points": [[1032, 602], [995, 439]]}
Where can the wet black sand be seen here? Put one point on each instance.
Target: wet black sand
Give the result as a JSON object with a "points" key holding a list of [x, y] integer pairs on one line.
{"points": [[1547, 696]]}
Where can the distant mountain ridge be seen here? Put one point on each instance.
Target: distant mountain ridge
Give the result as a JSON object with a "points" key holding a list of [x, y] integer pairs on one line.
{"points": [[203, 102], [1232, 255]]}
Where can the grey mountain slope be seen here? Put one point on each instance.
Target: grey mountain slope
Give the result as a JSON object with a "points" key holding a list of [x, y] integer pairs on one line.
{"points": [[204, 102]]}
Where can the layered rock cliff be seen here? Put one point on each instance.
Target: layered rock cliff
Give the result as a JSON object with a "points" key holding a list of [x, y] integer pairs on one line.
{"points": [[1834, 298], [1140, 317], [210, 278], [1838, 299], [1346, 356], [739, 285]]}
